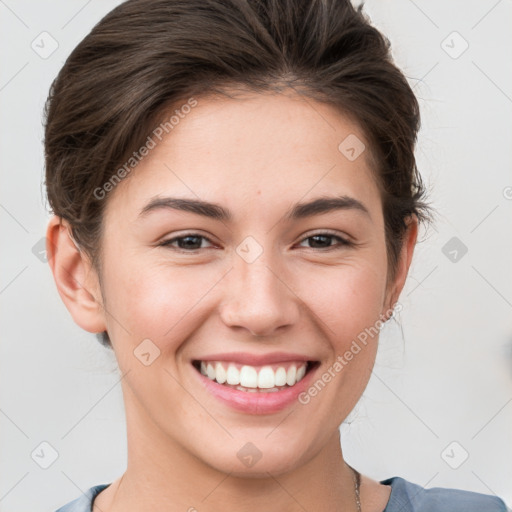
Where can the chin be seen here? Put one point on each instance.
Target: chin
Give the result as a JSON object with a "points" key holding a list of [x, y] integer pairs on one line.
{"points": [[254, 460]]}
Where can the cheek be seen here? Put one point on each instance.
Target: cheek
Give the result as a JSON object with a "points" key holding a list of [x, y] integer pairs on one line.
{"points": [[348, 302], [346, 299], [154, 301]]}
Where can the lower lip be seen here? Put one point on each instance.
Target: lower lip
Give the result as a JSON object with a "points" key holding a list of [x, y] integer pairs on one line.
{"points": [[258, 402]]}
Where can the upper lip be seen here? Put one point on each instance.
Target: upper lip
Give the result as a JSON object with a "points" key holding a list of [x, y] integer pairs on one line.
{"points": [[256, 359]]}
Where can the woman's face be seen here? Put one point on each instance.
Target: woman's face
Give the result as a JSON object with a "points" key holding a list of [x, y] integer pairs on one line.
{"points": [[267, 284]]}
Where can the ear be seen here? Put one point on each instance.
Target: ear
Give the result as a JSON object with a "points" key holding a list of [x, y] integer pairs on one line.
{"points": [[404, 262], [77, 282]]}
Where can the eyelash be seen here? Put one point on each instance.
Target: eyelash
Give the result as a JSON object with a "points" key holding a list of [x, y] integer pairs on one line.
{"points": [[343, 242]]}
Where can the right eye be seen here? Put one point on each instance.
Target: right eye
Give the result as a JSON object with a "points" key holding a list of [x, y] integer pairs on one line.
{"points": [[186, 243]]}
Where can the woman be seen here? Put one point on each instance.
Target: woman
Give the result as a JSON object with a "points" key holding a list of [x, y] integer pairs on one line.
{"points": [[278, 137]]}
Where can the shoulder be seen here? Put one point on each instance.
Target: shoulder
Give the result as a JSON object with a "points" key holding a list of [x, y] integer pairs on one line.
{"points": [[410, 497], [84, 502]]}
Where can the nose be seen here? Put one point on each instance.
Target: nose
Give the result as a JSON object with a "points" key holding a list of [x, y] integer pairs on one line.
{"points": [[260, 297]]}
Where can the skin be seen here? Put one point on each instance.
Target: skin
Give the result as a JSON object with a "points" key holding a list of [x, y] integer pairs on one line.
{"points": [[255, 156]]}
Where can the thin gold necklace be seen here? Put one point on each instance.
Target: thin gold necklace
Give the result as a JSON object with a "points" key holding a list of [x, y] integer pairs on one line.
{"points": [[357, 485]]}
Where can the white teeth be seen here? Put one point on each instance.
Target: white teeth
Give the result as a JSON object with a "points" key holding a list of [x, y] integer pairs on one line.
{"points": [[233, 377], [210, 371], [248, 378], [290, 375], [266, 378], [300, 373], [220, 373], [280, 376]]}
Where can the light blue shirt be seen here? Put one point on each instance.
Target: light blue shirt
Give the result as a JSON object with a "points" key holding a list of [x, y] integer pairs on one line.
{"points": [[405, 497]]}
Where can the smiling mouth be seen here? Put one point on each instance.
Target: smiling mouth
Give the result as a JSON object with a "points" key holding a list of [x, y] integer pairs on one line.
{"points": [[255, 379]]}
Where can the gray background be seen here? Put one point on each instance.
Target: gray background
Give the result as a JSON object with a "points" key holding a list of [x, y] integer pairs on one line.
{"points": [[442, 384]]}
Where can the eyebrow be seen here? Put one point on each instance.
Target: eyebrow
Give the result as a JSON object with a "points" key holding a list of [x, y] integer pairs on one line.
{"points": [[214, 211]]}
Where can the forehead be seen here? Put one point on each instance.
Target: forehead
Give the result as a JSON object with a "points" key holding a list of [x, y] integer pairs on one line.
{"points": [[265, 148]]}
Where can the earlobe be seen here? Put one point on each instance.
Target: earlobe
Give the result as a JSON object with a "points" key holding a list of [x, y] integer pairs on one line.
{"points": [[74, 277], [404, 262]]}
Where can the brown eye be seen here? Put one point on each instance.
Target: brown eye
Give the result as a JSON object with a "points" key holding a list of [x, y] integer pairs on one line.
{"points": [[189, 242], [322, 241]]}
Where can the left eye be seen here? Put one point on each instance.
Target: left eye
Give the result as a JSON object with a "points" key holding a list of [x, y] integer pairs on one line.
{"points": [[193, 241], [323, 236]]}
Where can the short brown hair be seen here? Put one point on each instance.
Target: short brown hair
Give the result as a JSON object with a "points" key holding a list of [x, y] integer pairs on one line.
{"points": [[146, 56]]}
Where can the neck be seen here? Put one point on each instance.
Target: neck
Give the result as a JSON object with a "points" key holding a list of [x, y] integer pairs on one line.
{"points": [[162, 475]]}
